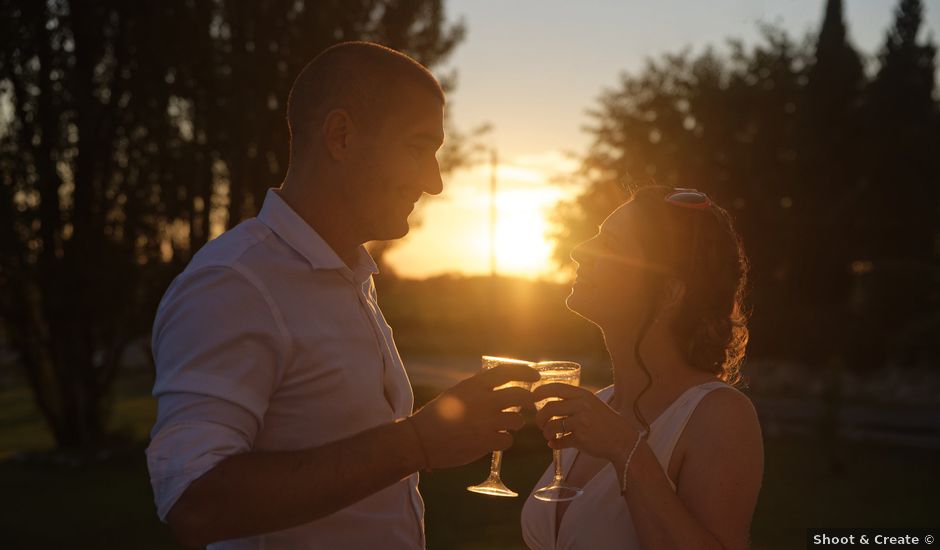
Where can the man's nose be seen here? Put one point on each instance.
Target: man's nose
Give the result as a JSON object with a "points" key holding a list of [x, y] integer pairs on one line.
{"points": [[434, 184]]}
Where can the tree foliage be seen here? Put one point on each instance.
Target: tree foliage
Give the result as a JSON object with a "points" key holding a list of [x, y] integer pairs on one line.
{"points": [[130, 134], [831, 174]]}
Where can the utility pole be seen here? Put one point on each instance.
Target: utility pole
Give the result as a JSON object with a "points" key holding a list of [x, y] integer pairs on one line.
{"points": [[494, 162], [495, 303]]}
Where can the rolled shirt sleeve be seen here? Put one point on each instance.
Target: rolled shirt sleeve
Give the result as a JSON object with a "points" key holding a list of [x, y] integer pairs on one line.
{"points": [[218, 346]]}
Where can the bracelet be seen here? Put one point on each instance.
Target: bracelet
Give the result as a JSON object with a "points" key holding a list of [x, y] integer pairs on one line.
{"points": [[626, 466], [424, 454]]}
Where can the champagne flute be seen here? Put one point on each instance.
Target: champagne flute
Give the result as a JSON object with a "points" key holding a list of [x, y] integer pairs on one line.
{"points": [[564, 372], [493, 485]]}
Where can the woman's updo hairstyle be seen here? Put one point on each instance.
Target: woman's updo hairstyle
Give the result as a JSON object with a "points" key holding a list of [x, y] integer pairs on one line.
{"points": [[699, 247]]}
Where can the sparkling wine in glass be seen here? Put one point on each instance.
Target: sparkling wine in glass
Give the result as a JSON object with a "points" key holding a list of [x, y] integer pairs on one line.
{"points": [[564, 372], [493, 485]]}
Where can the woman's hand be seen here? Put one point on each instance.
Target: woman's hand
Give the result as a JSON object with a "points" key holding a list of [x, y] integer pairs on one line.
{"points": [[588, 424]]}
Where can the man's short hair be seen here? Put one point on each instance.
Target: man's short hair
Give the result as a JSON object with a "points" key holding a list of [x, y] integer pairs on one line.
{"points": [[360, 77]]}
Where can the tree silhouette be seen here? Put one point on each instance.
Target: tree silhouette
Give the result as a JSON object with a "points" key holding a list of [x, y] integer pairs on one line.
{"points": [[138, 131], [898, 221], [723, 125], [828, 182], [831, 175], [902, 118]]}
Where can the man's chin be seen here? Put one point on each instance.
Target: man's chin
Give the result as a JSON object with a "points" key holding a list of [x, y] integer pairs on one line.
{"points": [[393, 231]]}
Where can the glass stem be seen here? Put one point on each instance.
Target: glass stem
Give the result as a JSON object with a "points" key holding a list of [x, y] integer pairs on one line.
{"points": [[559, 475], [496, 463]]}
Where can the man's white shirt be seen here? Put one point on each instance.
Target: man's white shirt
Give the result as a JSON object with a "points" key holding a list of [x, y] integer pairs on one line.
{"points": [[269, 342]]}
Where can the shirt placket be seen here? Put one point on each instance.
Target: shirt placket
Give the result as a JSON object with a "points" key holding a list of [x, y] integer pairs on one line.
{"points": [[371, 310], [381, 345]]}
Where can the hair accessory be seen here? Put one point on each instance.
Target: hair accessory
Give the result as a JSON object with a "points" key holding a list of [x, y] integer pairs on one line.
{"points": [[688, 198]]}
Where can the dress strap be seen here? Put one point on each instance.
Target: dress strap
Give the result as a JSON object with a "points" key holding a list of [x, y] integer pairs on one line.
{"points": [[673, 424]]}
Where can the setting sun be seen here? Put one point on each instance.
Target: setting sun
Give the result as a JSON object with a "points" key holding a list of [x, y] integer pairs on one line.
{"points": [[451, 234], [521, 244]]}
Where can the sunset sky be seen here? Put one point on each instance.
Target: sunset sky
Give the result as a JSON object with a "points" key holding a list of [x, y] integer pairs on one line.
{"points": [[531, 68]]}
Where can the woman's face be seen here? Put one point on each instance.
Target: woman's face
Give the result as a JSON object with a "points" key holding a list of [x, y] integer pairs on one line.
{"points": [[609, 289]]}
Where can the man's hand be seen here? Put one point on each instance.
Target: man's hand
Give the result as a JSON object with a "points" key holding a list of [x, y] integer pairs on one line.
{"points": [[467, 421]]}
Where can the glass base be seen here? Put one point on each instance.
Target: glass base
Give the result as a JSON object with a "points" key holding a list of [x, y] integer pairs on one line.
{"points": [[493, 487], [558, 493]]}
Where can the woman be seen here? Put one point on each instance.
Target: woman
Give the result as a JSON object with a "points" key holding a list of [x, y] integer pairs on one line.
{"points": [[670, 455]]}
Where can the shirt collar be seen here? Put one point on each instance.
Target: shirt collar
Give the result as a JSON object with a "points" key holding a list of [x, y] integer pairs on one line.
{"points": [[297, 233]]}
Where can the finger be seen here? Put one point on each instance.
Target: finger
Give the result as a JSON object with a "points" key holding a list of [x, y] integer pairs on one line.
{"points": [[512, 397], [566, 407], [555, 389], [552, 428], [500, 441], [565, 442], [499, 375], [509, 421]]}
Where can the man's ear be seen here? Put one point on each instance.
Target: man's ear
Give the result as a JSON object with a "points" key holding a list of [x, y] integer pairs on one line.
{"points": [[338, 130]]}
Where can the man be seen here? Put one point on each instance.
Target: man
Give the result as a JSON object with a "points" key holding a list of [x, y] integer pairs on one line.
{"points": [[283, 404]]}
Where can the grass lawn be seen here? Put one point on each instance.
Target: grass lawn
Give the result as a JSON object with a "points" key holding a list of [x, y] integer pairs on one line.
{"points": [[108, 505]]}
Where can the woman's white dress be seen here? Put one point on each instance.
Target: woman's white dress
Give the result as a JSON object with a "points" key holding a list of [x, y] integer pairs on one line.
{"points": [[599, 518]]}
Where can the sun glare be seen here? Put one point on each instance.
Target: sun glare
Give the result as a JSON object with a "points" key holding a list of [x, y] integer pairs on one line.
{"points": [[522, 247], [452, 233]]}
